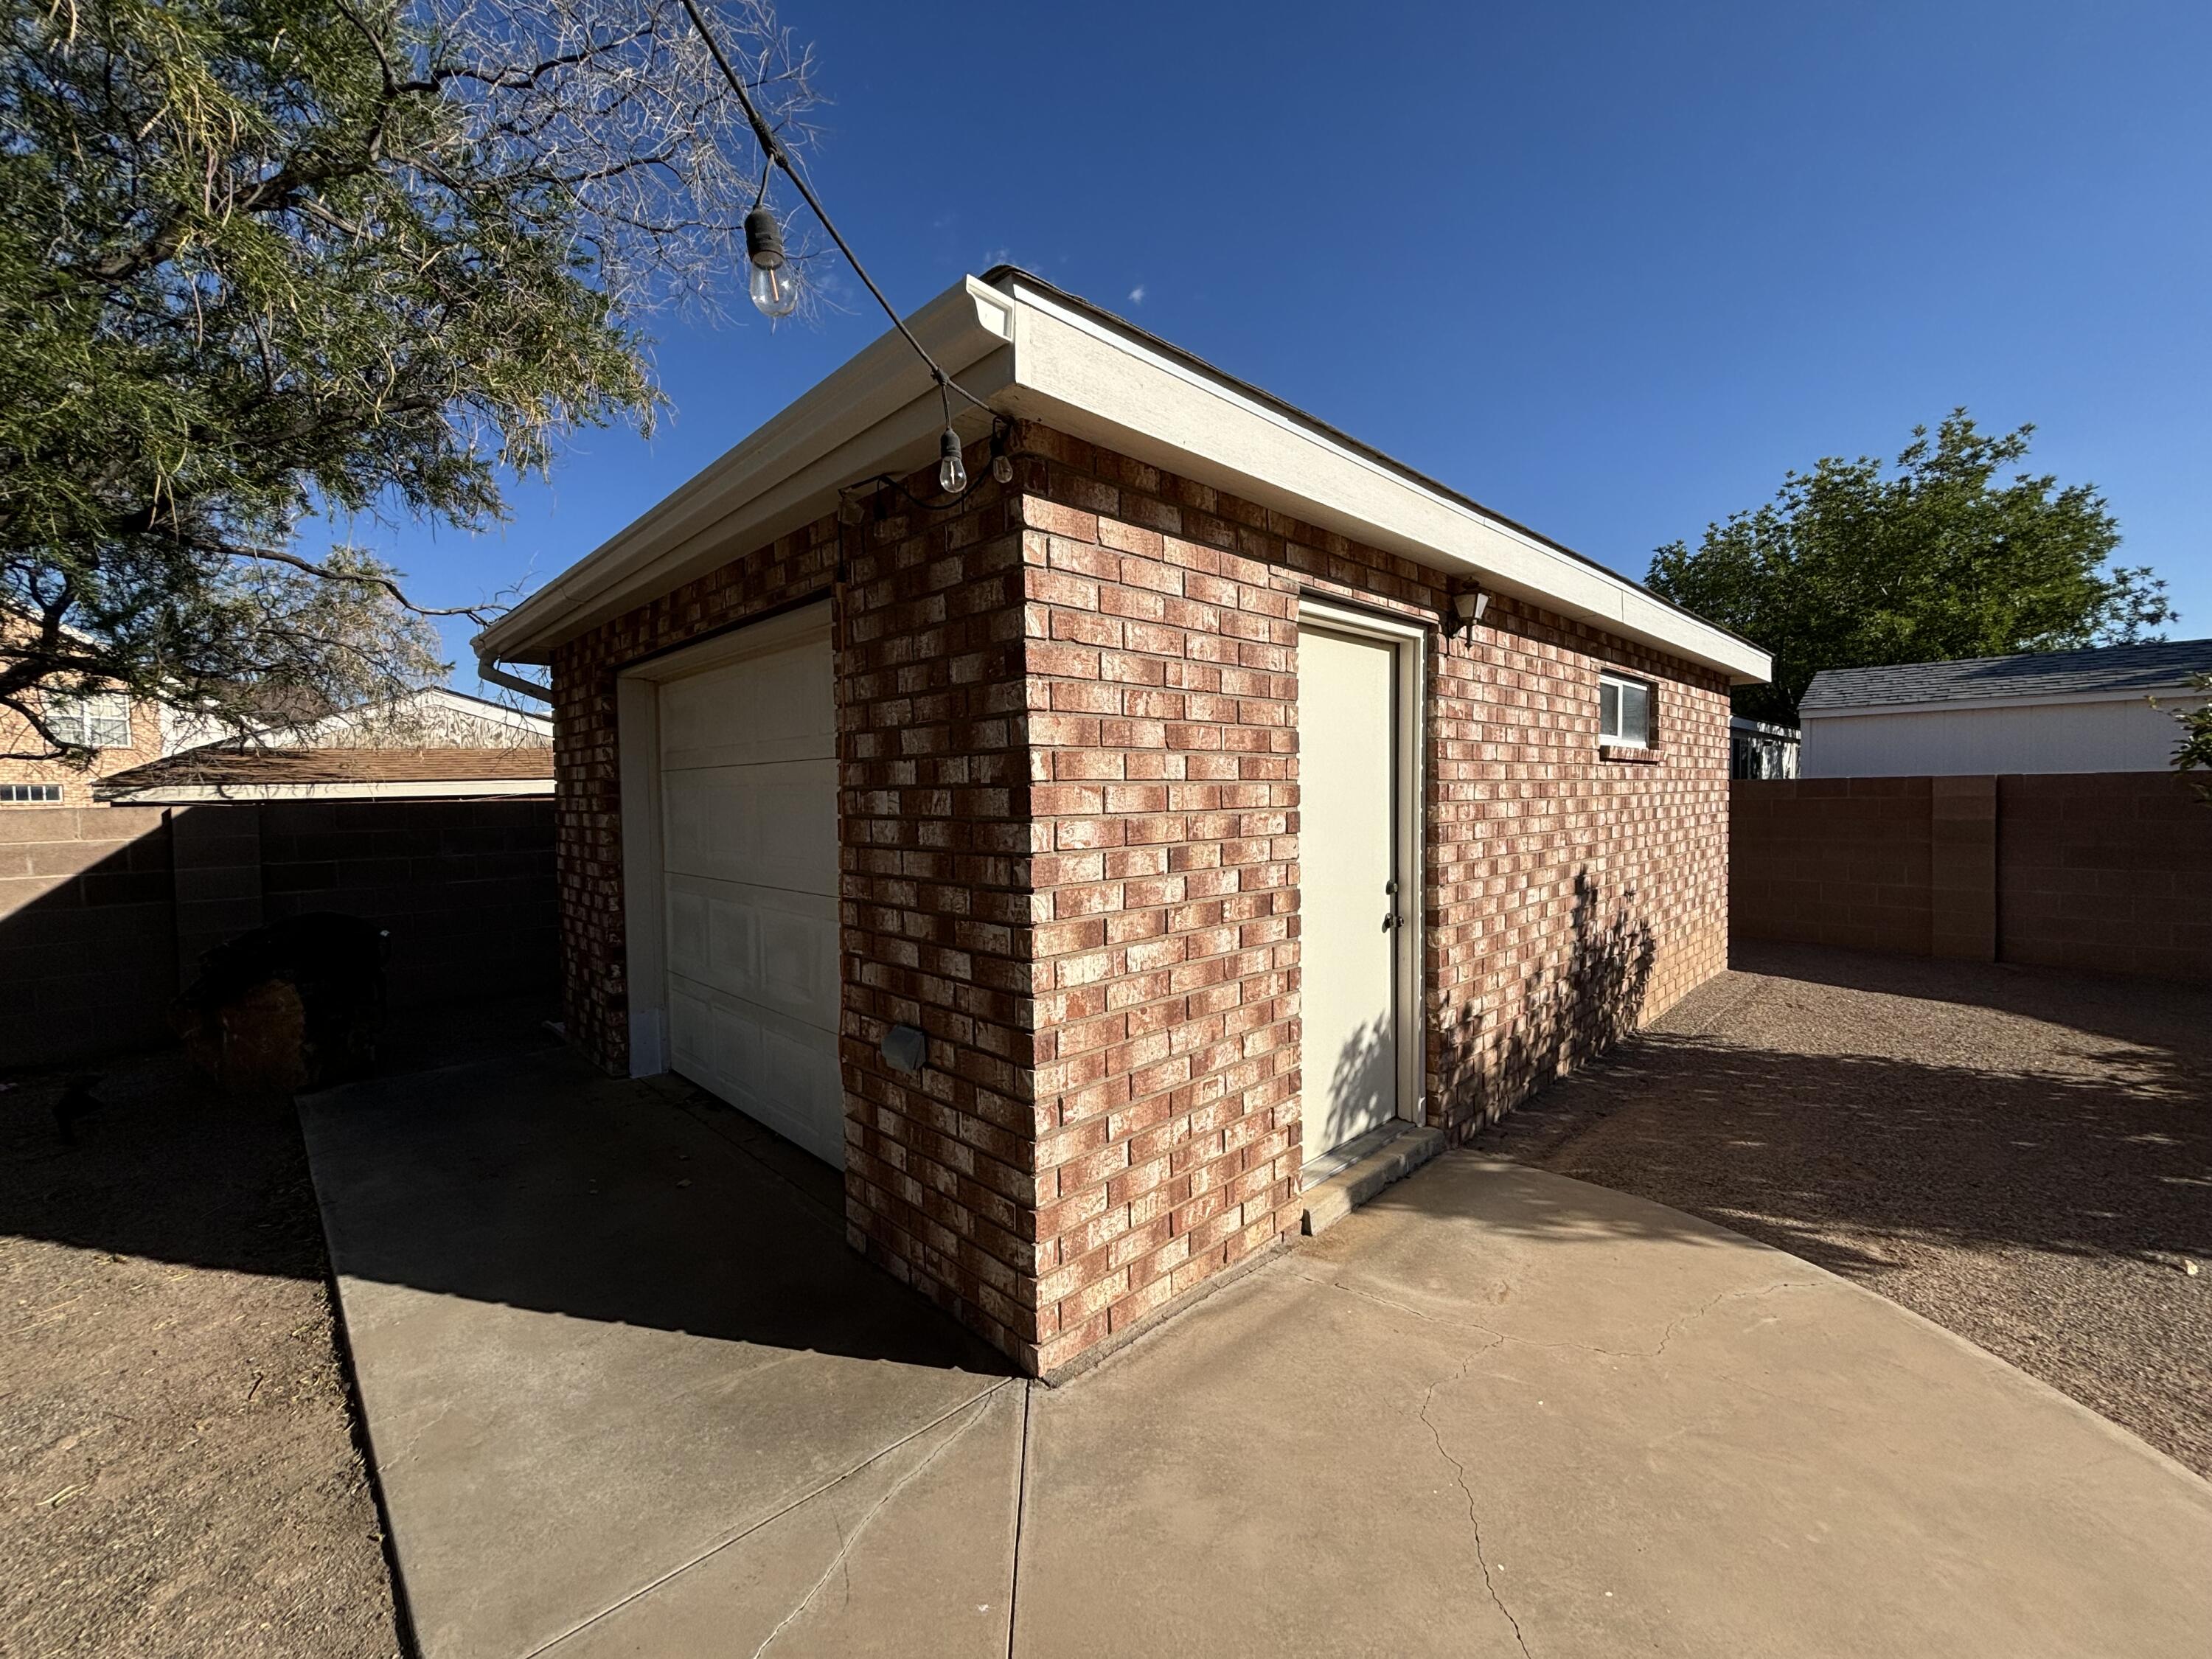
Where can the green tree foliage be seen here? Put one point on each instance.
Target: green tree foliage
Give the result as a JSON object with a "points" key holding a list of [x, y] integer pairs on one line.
{"points": [[2194, 751], [267, 261], [1855, 566]]}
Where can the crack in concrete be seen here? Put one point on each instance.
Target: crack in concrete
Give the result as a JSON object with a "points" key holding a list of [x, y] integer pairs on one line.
{"points": [[804, 1498], [1473, 1521], [1674, 1328], [415, 1439], [847, 1540]]}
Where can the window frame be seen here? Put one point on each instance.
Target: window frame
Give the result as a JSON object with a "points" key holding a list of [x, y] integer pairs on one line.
{"points": [[88, 715], [38, 794], [1615, 681]]}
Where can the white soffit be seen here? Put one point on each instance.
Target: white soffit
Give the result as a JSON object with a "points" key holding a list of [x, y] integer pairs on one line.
{"points": [[1078, 371]]}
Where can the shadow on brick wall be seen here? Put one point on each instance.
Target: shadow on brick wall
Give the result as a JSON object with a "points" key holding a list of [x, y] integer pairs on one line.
{"points": [[1560, 1019]]}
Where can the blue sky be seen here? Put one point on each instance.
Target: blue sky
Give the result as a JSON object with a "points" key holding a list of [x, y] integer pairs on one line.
{"points": [[1610, 270]]}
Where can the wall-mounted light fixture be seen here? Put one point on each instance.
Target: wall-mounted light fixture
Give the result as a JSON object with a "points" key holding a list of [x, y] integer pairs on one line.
{"points": [[1467, 603]]}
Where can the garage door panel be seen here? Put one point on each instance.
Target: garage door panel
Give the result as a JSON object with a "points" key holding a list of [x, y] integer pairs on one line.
{"points": [[798, 971], [770, 1066], [773, 824], [748, 841], [784, 700]]}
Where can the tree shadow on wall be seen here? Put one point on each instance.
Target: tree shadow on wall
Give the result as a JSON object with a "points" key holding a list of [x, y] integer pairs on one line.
{"points": [[1563, 1014]]}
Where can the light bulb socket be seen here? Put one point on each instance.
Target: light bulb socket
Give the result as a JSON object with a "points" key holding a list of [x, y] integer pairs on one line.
{"points": [[764, 239]]}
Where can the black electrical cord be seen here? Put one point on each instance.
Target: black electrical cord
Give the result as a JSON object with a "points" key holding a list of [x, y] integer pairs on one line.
{"points": [[772, 148]]}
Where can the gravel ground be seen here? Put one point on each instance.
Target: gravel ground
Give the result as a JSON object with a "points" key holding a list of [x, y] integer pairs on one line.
{"points": [[179, 1471], [2024, 1157]]}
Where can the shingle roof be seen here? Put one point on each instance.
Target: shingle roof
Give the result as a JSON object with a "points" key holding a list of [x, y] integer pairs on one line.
{"points": [[2146, 668], [235, 766]]}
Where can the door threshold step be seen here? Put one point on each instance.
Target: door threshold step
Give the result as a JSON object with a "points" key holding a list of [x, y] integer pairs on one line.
{"points": [[1329, 1201]]}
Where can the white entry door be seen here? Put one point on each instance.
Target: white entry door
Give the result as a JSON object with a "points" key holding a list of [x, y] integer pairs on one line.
{"points": [[748, 857], [1349, 901]]}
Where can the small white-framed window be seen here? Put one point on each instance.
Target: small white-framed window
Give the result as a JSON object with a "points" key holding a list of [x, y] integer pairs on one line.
{"points": [[30, 794], [101, 720], [1623, 711]]}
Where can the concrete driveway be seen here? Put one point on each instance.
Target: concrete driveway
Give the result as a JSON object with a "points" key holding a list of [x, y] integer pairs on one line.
{"points": [[628, 1393]]}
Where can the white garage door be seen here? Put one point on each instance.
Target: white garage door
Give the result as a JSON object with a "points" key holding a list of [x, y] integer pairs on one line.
{"points": [[749, 815]]}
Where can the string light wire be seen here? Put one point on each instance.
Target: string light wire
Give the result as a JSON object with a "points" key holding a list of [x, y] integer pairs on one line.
{"points": [[777, 155]]}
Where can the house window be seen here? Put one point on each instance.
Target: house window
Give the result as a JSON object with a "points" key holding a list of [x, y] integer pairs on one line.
{"points": [[29, 794], [1624, 708], [101, 720]]}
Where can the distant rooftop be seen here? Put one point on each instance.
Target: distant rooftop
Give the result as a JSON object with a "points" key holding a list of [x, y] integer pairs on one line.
{"points": [[2163, 666], [224, 772]]}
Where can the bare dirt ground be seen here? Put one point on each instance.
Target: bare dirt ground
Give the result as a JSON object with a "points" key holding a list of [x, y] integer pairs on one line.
{"points": [[2024, 1157], [179, 1472]]}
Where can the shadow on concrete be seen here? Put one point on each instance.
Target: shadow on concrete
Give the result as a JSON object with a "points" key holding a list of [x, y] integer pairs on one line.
{"points": [[536, 1183], [488, 1164], [138, 1154]]}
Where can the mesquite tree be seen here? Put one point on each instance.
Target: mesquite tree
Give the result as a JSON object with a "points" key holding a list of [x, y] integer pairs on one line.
{"points": [[264, 262]]}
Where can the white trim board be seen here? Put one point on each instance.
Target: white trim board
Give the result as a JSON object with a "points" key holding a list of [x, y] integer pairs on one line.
{"points": [[1032, 351], [1412, 792]]}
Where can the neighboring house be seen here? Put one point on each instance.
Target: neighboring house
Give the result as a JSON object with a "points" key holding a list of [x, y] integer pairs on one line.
{"points": [[1085, 863], [434, 743], [434, 717], [1759, 749], [120, 731], [2105, 709]]}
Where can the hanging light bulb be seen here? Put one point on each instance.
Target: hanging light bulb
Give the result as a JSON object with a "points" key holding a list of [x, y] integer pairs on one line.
{"points": [[774, 287], [952, 471], [1002, 464]]}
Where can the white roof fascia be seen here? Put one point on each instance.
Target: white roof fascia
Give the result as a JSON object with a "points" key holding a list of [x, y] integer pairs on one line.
{"points": [[1077, 371], [863, 419], [1074, 371], [188, 794], [2175, 691]]}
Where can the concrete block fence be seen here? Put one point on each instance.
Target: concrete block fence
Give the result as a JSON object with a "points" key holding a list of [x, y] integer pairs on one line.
{"points": [[2106, 872], [105, 911]]}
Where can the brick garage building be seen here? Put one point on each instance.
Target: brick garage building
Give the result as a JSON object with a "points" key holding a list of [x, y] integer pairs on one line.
{"points": [[1159, 790]]}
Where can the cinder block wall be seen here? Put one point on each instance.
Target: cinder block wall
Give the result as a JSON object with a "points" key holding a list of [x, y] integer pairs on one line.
{"points": [[105, 911], [1068, 807], [1840, 861], [88, 931], [2102, 871]]}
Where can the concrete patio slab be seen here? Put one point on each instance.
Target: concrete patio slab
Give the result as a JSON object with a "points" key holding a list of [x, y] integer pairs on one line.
{"points": [[598, 1339], [1493, 1411]]}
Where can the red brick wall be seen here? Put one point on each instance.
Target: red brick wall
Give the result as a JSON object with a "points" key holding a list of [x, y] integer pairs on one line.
{"points": [[2103, 872], [1569, 895], [1069, 781], [933, 882]]}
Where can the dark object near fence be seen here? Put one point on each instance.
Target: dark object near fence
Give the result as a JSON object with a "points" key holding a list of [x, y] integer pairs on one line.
{"points": [[293, 1005]]}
